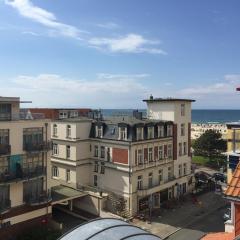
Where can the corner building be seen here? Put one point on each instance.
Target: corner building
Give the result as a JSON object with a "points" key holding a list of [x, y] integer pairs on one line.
{"points": [[126, 164]]}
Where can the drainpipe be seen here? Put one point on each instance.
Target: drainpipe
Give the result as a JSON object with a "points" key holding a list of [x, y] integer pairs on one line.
{"points": [[234, 140], [45, 156]]}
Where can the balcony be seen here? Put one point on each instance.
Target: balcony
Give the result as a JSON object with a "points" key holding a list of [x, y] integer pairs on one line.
{"points": [[37, 147], [5, 149], [152, 163], [5, 116], [40, 199], [21, 174], [5, 205]]}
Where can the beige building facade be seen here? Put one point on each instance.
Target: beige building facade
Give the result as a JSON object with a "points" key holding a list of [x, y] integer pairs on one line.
{"points": [[127, 165], [24, 146]]}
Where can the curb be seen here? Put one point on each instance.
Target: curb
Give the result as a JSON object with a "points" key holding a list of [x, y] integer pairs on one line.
{"points": [[166, 237]]}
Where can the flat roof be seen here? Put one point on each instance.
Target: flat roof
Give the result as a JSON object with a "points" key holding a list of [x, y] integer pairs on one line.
{"points": [[9, 99], [168, 100], [74, 119]]}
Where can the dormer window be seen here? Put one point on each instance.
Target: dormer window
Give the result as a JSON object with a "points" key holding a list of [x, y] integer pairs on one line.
{"points": [[150, 132], [139, 133], [169, 130], [123, 133], [160, 131], [99, 131]]}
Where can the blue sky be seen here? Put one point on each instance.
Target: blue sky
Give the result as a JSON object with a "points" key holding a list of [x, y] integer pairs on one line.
{"points": [[112, 54]]}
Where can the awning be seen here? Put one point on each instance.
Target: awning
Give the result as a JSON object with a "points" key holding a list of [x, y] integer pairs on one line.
{"points": [[62, 193]]}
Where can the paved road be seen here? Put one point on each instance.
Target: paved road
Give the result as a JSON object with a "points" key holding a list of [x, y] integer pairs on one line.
{"points": [[211, 223]]}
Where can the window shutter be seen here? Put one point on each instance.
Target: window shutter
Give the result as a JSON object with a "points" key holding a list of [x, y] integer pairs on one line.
{"points": [[155, 153], [165, 151], [145, 155]]}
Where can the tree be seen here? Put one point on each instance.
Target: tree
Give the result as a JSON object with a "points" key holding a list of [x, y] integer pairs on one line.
{"points": [[210, 144]]}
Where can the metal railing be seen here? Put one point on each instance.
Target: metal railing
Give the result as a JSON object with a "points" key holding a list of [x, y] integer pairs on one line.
{"points": [[41, 198], [5, 149], [34, 147], [21, 174], [5, 205]]}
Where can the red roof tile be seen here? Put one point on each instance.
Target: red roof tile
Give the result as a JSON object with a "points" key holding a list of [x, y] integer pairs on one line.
{"points": [[218, 236]]}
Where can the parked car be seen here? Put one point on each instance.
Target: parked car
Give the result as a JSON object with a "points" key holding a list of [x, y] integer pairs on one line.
{"points": [[219, 177], [202, 177], [227, 215]]}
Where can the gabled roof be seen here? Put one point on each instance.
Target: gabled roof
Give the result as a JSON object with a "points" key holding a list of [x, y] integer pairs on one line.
{"points": [[233, 189], [218, 236]]}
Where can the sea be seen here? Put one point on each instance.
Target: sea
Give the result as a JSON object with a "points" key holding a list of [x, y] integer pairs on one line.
{"points": [[198, 116]]}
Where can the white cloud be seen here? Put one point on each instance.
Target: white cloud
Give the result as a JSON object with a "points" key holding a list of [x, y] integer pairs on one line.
{"points": [[108, 25], [233, 78], [27, 9], [131, 43], [105, 92]]}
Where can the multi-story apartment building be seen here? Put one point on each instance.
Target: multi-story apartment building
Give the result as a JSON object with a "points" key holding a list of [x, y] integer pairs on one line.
{"points": [[233, 147], [24, 146], [134, 163]]}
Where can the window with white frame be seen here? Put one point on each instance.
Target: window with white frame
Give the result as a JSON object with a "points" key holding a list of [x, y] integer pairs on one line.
{"points": [[122, 133], [102, 170], [102, 155], [140, 157], [150, 180], [160, 152], [55, 149], [184, 148], [69, 131], [180, 149], [160, 175], [182, 129], [169, 130], [63, 115], [55, 171], [95, 180], [150, 154], [95, 151], [96, 166], [139, 133], [182, 109], [150, 132], [140, 183], [184, 169], [55, 132], [180, 170], [160, 131], [68, 151], [99, 131], [169, 150], [68, 175]]}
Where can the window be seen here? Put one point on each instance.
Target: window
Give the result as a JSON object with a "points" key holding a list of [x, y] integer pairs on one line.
{"points": [[140, 183], [150, 154], [99, 131], [102, 152], [160, 175], [184, 148], [139, 157], [160, 131], [160, 152], [55, 149], [182, 129], [169, 173], [122, 133], [102, 171], [68, 176], [169, 130], [184, 169], [183, 109], [68, 131], [184, 188], [180, 149], [150, 132], [55, 172], [139, 133], [55, 130], [169, 150], [108, 154], [63, 115], [95, 151], [180, 170], [96, 166], [4, 136], [68, 151], [150, 180], [95, 181]]}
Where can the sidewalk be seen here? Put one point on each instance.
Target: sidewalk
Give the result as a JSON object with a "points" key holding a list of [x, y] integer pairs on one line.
{"points": [[170, 221]]}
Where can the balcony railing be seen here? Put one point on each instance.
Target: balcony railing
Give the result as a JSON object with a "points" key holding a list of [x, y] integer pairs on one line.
{"points": [[21, 174], [5, 116], [5, 149], [36, 147], [40, 199], [5, 205]]}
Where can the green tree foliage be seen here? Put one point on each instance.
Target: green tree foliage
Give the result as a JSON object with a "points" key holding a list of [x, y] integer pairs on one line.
{"points": [[209, 144]]}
